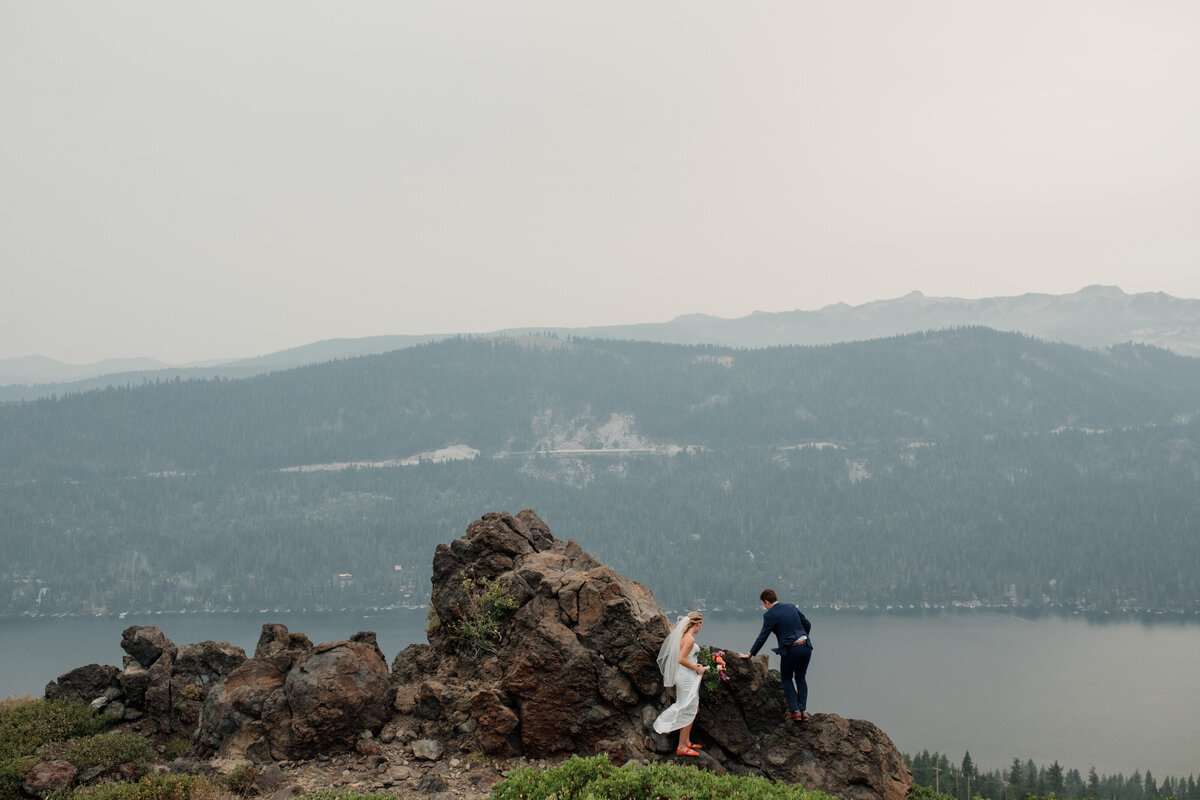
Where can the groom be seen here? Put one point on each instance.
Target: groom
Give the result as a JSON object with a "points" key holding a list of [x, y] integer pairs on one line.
{"points": [[795, 650]]}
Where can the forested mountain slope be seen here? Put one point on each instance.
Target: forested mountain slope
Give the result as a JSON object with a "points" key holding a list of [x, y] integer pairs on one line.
{"points": [[959, 466]]}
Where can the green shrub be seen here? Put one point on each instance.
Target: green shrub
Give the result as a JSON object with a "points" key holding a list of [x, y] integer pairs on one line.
{"points": [[157, 787], [27, 726], [241, 779], [176, 748], [105, 750], [487, 605], [927, 793], [597, 779]]}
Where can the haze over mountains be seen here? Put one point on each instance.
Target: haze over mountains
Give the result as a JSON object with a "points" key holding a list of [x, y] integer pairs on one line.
{"points": [[1096, 316]]}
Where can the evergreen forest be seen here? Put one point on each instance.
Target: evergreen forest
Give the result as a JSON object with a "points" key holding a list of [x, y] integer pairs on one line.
{"points": [[957, 467], [1021, 780]]}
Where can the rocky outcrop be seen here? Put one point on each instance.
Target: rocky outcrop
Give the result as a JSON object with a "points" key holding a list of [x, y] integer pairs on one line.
{"points": [[84, 684], [573, 662], [574, 671], [296, 700], [161, 686], [565, 666]]}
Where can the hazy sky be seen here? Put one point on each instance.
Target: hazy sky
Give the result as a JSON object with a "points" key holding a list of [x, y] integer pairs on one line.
{"points": [[193, 180]]}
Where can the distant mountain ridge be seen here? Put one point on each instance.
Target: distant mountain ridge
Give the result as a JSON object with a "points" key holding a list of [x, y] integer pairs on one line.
{"points": [[1094, 317], [39, 369]]}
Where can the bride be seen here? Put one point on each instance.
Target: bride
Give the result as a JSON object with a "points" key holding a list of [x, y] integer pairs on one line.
{"points": [[676, 661]]}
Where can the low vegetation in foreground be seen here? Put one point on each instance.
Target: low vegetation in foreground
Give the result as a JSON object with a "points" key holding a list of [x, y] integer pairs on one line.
{"points": [[596, 778]]}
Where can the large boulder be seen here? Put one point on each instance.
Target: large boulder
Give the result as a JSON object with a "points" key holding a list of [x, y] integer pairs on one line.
{"points": [[85, 684], [848, 758], [49, 776], [147, 645], [295, 700]]}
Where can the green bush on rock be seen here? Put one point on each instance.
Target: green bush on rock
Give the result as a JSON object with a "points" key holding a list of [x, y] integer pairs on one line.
{"points": [[487, 605]]}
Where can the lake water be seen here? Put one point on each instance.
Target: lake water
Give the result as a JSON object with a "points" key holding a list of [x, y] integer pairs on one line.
{"points": [[1117, 695]]}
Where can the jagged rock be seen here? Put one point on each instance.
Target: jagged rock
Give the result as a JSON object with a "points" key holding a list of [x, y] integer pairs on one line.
{"points": [[49, 776], [84, 684], [276, 638], [496, 722], [427, 749], [196, 669], [269, 779], [848, 758], [134, 681], [147, 644], [293, 700], [157, 699], [596, 632], [90, 774], [431, 783], [205, 662], [368, 747]]}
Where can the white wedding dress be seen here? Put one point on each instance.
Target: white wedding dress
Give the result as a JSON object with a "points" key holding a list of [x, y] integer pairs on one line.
{"points": [[687, 699]]}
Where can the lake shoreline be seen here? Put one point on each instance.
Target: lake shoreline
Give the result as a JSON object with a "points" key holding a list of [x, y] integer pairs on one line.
{"points": [[1024, 612]]}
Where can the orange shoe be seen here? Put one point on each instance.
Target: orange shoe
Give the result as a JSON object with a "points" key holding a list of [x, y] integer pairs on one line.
{"points": [[686, 751]]}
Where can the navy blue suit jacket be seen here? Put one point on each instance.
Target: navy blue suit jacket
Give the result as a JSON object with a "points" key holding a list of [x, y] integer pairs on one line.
{"points": [[786, 622]]}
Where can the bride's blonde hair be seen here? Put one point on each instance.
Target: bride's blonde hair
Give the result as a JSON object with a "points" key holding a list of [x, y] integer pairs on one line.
{"points": [[694, 619]]}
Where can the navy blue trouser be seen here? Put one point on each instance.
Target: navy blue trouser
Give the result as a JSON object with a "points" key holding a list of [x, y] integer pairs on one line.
{"points": [[793, 665]]}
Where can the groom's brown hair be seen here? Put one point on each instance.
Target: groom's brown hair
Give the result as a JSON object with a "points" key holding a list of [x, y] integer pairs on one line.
{"points": [[768, 596]]}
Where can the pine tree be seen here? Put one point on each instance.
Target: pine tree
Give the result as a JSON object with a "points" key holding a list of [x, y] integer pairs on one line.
{"points": [[1016, 779], [1054, 780]]}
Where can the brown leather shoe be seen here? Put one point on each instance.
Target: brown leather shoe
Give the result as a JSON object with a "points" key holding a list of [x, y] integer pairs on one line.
{"points": [[796, 716]]}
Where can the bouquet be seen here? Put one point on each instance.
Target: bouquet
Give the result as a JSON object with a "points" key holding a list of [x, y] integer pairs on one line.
{"points": [[715, 661]]}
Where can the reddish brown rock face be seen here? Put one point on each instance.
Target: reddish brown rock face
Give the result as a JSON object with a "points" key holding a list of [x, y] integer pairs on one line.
{"points": [[334, 694], [294, 700]]}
